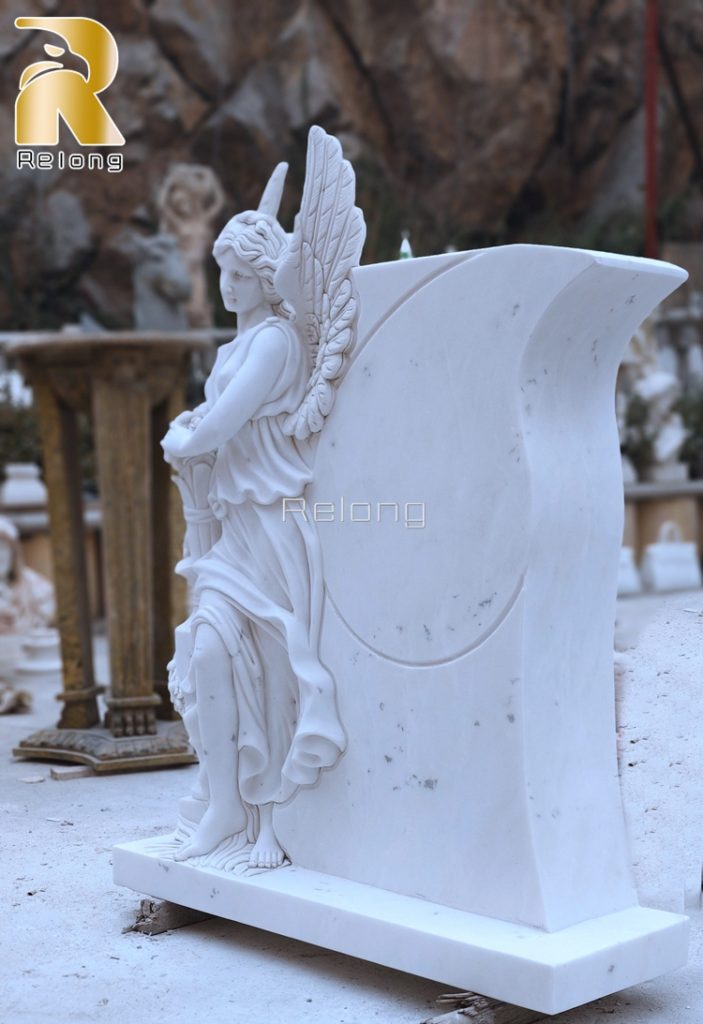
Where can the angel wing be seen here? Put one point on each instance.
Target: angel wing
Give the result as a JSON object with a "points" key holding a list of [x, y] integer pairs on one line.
{"points": [[315, 275]]}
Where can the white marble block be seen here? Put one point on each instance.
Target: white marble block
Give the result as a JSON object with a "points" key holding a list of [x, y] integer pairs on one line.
{"points": [[467, 495], [671, 563], [473, 656]]}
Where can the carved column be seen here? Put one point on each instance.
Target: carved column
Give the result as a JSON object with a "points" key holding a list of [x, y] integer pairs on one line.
{"points": [[59, 434], [122, 417], [134, 384]]}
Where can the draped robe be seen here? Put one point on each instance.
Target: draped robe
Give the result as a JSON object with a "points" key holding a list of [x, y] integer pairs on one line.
{"points": [[261, 587]]}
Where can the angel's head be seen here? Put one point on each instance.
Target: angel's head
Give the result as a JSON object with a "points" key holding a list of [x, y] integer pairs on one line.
{"points": [[249, 251]]}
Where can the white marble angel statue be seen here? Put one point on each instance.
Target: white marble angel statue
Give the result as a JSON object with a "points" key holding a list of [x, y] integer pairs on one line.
{"points": [[259, 705]]}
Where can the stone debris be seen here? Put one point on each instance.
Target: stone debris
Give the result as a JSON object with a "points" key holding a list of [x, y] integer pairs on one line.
{"points": [[14, 701], [470, 1008], [157, 916]]}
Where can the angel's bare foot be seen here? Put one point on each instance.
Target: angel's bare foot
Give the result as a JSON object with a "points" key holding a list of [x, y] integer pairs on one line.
{"points": [[213, 828], [267, 852]]}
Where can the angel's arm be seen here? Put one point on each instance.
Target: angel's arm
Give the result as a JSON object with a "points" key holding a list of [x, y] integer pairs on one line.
{"points": [[239, 402], [184, 418]]}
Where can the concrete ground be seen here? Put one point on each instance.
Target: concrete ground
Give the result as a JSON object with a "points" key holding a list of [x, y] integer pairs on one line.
{"points": [[66, 959]]}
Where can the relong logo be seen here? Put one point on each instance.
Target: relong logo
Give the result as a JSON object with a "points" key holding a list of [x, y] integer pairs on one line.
{"points": [[48, 90]]}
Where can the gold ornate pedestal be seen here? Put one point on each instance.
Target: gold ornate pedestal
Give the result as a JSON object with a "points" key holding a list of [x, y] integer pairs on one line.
{"points": [[133, 384]]}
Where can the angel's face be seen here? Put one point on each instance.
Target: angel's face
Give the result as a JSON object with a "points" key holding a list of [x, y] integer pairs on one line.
{"points": [[240, 286]]}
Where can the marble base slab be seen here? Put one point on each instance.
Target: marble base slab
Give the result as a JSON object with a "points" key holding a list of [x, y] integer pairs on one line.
{"points": [[544, 971]]}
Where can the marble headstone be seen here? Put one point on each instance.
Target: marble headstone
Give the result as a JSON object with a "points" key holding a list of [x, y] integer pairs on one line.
{"points": [[467, 496]]}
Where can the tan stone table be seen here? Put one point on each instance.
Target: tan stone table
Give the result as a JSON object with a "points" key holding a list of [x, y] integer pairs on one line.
{"points": [[649, 505], [132, 383]]}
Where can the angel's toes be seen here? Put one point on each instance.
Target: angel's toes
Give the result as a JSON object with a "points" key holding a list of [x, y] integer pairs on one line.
{"points": [[267, 859]]}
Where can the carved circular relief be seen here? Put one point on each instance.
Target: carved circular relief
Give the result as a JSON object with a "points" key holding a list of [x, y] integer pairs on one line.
{"points": [[420, 492]]}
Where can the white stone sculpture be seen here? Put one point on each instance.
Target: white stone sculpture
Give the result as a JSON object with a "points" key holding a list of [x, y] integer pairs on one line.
{"points": [[679, 328], [671, 563], [23, 486], [189, 201], [259, 704], [466, 495], [659, 390], [27, 599], [13, 387], [629, 581], [41, 650]]}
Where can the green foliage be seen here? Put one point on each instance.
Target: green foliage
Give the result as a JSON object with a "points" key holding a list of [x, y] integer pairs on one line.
{"points": [[681, 216], [690, 406], [20, 440], [638, 440], [19, 431], [88, 461], [621, 232]]}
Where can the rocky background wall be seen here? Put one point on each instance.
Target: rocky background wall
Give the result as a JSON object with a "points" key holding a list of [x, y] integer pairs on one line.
{"points": [[469, 122]]}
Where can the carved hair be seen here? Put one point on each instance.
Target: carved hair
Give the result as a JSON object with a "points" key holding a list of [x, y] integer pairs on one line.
{"points": [[259, 240]]}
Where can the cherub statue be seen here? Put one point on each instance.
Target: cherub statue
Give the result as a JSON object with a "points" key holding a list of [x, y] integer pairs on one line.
{"points": [[259, 705], [189, 201]]}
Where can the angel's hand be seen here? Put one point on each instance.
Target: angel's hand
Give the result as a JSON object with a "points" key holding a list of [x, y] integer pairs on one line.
{"points": [[190, 417], [183, 419], [175, 441]]}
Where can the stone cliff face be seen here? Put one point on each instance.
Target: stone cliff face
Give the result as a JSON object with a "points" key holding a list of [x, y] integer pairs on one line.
{"points": [[469, 122]]}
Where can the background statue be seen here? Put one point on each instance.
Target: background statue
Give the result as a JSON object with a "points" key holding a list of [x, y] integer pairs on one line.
{"points": [[258, 703], [161, 284], [26, 599], [189, 201]]}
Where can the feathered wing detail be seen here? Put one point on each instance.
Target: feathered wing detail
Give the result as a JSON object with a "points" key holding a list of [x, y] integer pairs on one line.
{"points": [[315, 276]]}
